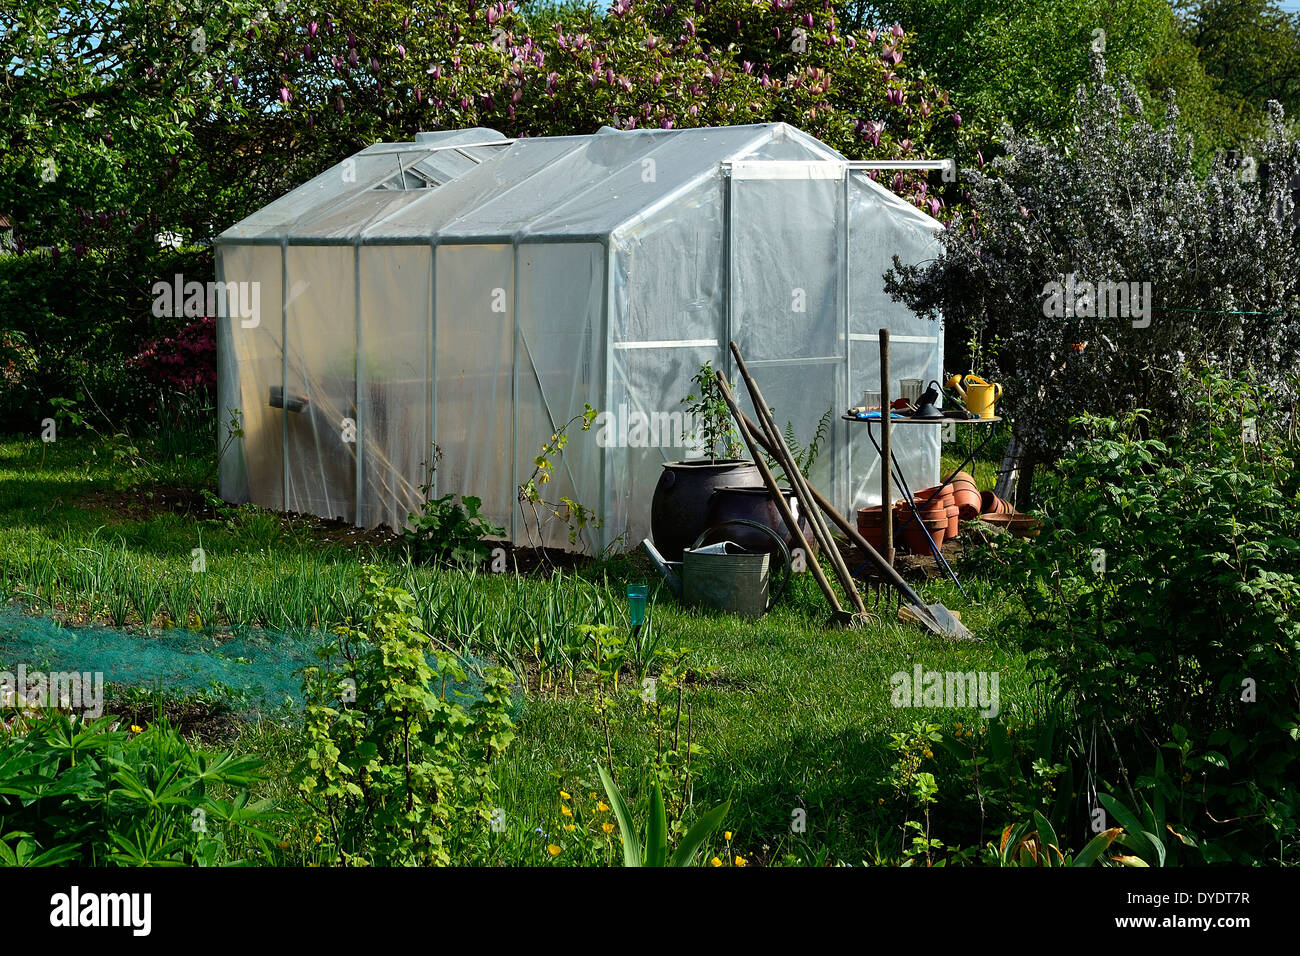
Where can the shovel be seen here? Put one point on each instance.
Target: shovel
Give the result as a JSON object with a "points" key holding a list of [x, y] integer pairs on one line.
{"points": [[933, 617]]}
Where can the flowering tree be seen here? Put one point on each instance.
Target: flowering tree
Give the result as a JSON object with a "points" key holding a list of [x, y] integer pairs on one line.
{"points": [[125, 127], [1092, 270]]}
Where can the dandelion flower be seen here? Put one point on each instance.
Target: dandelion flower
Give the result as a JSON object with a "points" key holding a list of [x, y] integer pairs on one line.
{"points": [[602, 807], [740, 861], [553, 849], [607, 827], [727, 835], [566, 811], [929, 754], [593, 795], [564, 796], [569, 828], [317, 840], [137, 729], [716, 862]]}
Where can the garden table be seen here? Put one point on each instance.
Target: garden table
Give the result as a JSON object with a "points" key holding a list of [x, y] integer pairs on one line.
{"points": [[897, 418]]}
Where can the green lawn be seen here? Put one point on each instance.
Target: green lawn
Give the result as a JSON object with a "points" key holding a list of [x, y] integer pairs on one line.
{"points": [[789, 715]]}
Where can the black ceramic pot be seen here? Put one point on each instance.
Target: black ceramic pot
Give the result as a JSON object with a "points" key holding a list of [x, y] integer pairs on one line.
{"points": [[679, 511], [755, 504]]}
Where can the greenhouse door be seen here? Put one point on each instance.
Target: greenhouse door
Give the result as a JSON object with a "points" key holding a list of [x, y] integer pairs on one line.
{"points": [[787, 303]]}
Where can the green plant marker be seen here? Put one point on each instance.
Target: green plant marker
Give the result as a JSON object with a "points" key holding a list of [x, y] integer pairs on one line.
{"points": [[636, 600]]}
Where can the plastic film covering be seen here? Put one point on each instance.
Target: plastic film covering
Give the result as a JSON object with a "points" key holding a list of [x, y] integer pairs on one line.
{"points": [[396, 384], [559, 359], [320, 409], [473, 375], [668, 308], [249, 365], [880, 226], [477, 293], [288, 215], [503, 171], [787, 275], [639, 178]]}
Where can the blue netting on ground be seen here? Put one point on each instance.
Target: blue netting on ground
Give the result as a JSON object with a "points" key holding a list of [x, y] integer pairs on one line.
{"points": [[263, 667]]}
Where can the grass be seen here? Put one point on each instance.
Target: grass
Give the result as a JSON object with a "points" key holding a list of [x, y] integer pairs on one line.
{"points": [[789, 715]]}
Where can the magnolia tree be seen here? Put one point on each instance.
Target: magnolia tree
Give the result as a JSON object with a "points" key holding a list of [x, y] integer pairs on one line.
{"points": [[122, 122], [1091, 270], [129, 127]]}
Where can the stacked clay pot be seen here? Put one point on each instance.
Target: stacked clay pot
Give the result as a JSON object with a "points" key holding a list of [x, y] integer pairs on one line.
{"points": [[966, 494], [932, 508]]}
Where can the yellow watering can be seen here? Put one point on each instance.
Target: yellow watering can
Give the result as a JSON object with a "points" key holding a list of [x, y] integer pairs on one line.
{"points": [[979, 395]]}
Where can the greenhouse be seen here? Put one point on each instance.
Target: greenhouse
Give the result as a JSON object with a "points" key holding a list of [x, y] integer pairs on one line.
{"points": [[477, 292]]}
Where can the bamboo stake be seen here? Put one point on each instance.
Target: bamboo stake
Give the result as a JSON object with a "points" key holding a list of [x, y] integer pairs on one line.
{"points": [[800, 485], [782, 505], [886, 450]]}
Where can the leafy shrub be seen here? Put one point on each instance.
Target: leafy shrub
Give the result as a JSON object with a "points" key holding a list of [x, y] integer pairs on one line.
{"points": [[396, 768], [1162, 598], [81, 792], [183, 362], [445, 528], [71, 326], [1203, 267]]}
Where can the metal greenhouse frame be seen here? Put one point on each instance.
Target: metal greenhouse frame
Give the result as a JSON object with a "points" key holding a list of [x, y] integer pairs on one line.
{"points": [[478, 292]]}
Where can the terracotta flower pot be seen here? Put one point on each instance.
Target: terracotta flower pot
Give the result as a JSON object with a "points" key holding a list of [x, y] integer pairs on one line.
{"points": [[966, 495], [926, 494], [991, 504], [954, 513], [871, 525], [1021, 525], [917, 537]]}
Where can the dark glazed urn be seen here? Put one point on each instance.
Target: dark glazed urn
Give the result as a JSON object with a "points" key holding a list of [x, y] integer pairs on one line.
{"points": [[755, 504], [679, 511]]}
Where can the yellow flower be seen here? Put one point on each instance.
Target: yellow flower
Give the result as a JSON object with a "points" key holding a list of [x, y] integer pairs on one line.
{"points": [[566, 811], [137, 729], [553, 850], [881, 801], [318, 838], [283, 844], [958, 725], [602, 807], [740, 861], [568, 828], [563, 795], [607, 827], [593, 795], [929, 754], [716, 862], [727, 835]]}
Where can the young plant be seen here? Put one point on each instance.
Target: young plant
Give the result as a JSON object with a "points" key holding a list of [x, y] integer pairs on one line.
{"points": [[397, 768], [716, 433], [655, 850], [576, 516], [447, 529]]}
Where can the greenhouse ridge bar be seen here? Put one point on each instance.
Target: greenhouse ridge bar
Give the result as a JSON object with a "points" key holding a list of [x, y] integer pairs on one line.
{"points": [[478, 292]]}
